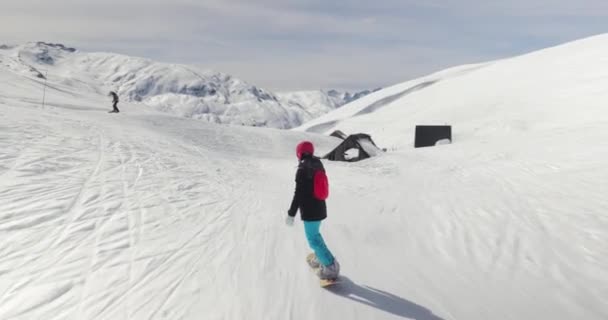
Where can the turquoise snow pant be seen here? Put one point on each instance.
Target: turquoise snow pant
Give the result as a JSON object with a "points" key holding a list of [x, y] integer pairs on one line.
{"points": [[316, 243]]}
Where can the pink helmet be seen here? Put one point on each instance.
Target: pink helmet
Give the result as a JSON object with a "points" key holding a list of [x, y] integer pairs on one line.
{"points": [[303, 148]]}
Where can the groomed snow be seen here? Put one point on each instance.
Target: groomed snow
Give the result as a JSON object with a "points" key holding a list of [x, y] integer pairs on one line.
{"points": [[142, 215]]}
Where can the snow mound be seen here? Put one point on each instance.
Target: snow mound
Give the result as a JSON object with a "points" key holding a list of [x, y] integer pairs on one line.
{"points": [[560, 87]]}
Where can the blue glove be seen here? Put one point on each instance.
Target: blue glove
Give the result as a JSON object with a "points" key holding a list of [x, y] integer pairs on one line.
{"points": [[289, 221]]}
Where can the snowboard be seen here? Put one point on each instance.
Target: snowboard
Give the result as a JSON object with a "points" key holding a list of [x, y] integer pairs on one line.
{"points": [[324, 283], [328, 282]]}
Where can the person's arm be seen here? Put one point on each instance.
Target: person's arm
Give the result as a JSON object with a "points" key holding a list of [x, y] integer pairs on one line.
{"points": [[297, 196]]}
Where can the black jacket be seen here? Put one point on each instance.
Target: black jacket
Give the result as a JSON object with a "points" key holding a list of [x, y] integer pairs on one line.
{"points": [[114, 96], [311, 209]]}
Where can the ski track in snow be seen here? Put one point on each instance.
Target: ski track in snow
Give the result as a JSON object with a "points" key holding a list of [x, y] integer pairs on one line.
{"points": [[131, 224], [97, 221], [139, 224]]}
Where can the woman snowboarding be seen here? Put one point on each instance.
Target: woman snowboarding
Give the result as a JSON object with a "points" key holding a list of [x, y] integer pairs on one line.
{"points": [[309, 197]]}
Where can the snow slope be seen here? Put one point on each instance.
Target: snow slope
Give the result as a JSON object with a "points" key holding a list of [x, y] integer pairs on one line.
{"points": [[552, 89], [143, 215], [187, 91]]}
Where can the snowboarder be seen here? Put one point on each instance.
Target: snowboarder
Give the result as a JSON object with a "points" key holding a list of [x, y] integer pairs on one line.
{"points": [[311, 203], [114, 102]]}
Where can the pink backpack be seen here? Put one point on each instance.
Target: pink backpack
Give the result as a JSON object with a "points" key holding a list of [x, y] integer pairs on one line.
{"points": [[320, 185]]}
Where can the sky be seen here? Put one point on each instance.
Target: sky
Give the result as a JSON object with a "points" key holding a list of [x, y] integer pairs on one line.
{"points": [[307, 44]]}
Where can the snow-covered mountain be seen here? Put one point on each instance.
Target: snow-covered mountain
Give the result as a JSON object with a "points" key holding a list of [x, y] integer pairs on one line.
{"points": [[145, 215], [319, 102], [183, 90]]}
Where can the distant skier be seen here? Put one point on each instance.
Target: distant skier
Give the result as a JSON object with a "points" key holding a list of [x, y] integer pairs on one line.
{"points": [[311, 191], [114, 102]]}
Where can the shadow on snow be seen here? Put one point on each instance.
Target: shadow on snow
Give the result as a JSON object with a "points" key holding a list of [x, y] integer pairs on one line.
{"points": [[381, 300]]}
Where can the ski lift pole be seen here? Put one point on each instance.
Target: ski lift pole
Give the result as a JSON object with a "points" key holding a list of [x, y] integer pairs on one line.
{"points": [[44, 88]]}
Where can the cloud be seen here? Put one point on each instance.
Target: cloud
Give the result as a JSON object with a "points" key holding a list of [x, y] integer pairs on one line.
{"points": [[307, 44], [341, 69]]}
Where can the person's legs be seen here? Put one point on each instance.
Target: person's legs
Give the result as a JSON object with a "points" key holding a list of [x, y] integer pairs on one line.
{"points": [[115, 107], [316, 242]]}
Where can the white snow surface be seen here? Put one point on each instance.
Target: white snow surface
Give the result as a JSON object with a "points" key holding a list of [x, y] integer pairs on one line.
{"points": [[145, 215], [187, 91]]}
